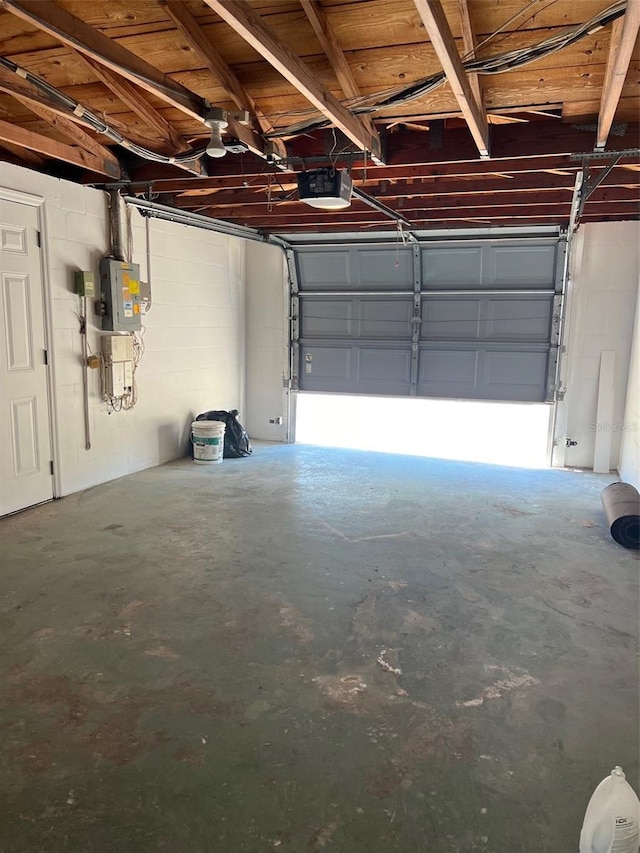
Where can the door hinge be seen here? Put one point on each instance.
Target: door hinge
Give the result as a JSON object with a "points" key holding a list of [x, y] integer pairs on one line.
{"points": [[39, 239], [51, 467], [46, 357]]}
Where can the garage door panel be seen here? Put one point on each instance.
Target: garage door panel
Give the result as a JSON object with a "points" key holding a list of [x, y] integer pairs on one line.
{"points": [[454, 266], [516, 375], [385, 318], [518, 318], [499, 318], [355, 317], [385, 268], [385, 365], [329, 318], [518, 264], [480, 326], [354, 269], [515, 264], [445, 369], [331, 363], [483, 374], [324, 270], [355, 368], [446, 318]]}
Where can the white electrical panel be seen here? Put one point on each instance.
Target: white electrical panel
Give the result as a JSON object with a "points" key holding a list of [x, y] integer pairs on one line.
{"points": [[117, 359], [118, 347]]}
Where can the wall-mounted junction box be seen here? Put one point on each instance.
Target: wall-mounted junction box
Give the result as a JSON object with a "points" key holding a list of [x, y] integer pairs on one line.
{"points": [[120, 287], [117, 357], [85, 283]]}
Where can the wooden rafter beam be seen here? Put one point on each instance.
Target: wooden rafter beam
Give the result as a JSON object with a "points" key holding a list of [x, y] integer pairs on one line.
{"points": [[515, 151], [137, 103], [25, 90], [72, 131], [206, 50], [469, 42], [27, 157], [623, 38], [247, 23], [413, 205], [15, 135], [33, 97], [437, 26], [560, 212], [284, 217], [73, 32], [330, 45]]}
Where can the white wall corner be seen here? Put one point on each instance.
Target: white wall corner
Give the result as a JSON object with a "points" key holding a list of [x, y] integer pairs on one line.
{"points": [[629, 465]]}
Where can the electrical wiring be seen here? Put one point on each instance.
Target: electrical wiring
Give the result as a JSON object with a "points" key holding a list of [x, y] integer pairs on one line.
{"points": [[498, 64], [363, 105], [130, 400], [126, 402], [94, 122]]}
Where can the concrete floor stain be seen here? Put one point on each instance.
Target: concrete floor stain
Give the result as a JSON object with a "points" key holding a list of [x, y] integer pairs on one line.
{"points": [[202, 677]]}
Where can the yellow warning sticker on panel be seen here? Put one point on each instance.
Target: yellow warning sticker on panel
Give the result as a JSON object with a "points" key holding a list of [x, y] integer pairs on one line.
{"points": [[134, 286], [125, 279]]}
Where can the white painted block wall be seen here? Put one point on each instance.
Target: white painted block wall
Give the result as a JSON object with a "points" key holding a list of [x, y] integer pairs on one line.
{"points": [[605, 287], [267, 349], [630, 451], [194, 335]]}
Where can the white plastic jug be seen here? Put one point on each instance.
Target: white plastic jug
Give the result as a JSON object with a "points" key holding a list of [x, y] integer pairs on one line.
{"points": [[612, 817]]}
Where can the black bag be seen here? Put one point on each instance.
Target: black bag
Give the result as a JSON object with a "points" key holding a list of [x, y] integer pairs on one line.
{"points": [[236, 440]]}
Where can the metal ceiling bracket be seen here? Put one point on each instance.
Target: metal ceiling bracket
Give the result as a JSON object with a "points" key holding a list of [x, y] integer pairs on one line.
{"points": [[590, 183], [605, 155]]}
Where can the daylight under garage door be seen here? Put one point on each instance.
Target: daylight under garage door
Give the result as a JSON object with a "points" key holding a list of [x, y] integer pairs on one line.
{"points": [[473, 319]]}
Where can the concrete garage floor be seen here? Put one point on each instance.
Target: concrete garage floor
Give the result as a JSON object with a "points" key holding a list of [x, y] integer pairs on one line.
{"points": [[315, 651]]}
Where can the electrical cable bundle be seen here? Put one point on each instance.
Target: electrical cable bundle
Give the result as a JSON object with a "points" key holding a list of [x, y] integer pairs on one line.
{"points": [[94, 122], [499, 64]]}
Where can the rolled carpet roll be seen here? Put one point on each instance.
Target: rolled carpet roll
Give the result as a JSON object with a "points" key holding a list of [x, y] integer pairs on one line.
{"points": [[621, 502]]}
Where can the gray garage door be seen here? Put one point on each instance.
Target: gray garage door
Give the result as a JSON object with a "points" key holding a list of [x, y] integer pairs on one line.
{"points": [[475, 319]]}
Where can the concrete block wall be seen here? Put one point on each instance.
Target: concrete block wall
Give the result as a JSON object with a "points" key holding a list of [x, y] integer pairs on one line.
{"points": [[604, 285], [194, 333], [267, 346]]}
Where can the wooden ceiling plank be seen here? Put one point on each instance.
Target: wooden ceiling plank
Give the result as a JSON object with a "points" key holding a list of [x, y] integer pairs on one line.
{"points": [[57, 150], [469, 41], [76, 34], [135, 100], [73, 132], [247, 23], [623, 38], [437, 26]]}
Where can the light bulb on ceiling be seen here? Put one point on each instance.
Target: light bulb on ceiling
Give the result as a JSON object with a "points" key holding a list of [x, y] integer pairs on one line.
{"points": [[216, 120]]}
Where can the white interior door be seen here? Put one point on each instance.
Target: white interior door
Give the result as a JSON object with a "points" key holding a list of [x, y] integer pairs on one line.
{"points": [[25, 439]]}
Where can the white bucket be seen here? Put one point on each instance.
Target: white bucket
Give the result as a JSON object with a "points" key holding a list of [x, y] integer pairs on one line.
{"points": [[208, 441]]}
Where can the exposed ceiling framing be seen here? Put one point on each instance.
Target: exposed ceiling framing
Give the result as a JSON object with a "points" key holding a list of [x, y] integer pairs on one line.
{"points": [[435, 22], [624, 35], [403, 93]]}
